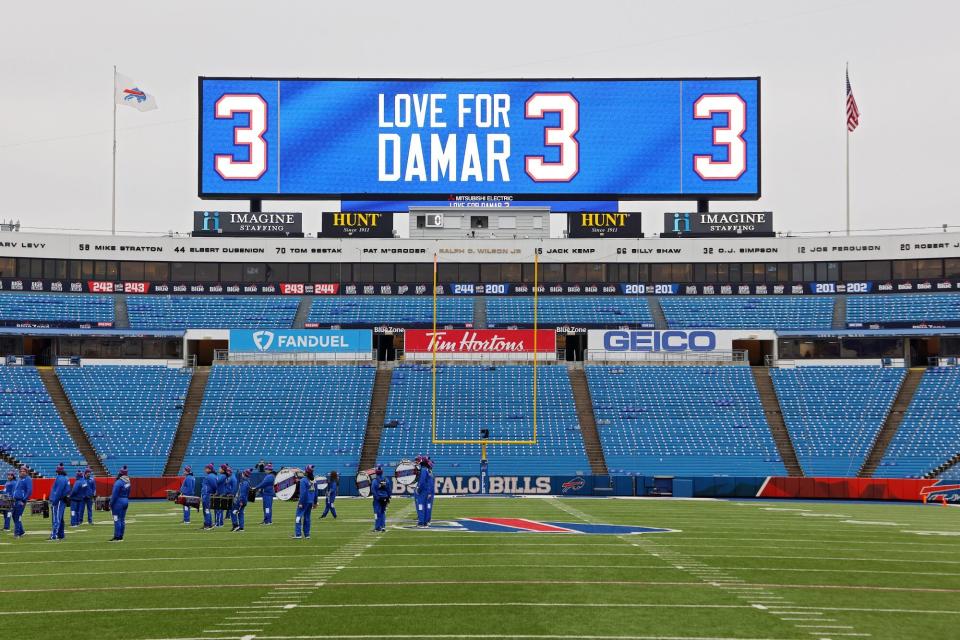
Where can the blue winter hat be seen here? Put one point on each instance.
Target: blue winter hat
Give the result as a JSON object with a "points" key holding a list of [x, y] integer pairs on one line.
{"points": [[379, 471]]}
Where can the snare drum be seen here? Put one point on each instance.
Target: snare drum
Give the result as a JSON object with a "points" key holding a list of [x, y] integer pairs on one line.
{"points": [[6, 503], [189, 501], [40, 508], [102, 503]]}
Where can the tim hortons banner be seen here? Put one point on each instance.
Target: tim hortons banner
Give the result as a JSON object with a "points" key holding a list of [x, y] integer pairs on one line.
{"points": [[466, 344]]}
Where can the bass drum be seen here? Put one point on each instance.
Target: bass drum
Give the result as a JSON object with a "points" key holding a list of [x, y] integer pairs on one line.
{"points": [[320, 484], [406, 473], [286, 484], [363, 484]]}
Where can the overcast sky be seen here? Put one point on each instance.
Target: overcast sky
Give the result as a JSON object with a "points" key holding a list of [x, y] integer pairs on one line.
{"points": [[56, 61]]}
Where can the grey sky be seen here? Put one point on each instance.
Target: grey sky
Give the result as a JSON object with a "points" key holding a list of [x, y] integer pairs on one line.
{"points": [[56, 63]]}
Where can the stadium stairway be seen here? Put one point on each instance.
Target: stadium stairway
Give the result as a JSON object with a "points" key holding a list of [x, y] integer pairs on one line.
{"points": [[302, 312], [659, 319], [587, 420], [121, 318], [16, 463], [70, 420], [943, 468], [376, 416], [188, 419], [839, 312], [892, 423], [774, 415], [480, 312]]}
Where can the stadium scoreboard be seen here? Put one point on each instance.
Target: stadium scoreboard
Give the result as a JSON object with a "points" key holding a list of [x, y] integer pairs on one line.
{"points": [[684, 139]]}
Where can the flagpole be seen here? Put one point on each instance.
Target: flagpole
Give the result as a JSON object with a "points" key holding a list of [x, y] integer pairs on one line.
{"points": [[113, 190], [847, 127]]}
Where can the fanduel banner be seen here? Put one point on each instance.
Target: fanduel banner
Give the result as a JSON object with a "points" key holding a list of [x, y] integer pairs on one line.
{"points": [[247, 223], [624, 344], [758, 224], [604, 224], [346, 342], [357, 225], [510, 344]]}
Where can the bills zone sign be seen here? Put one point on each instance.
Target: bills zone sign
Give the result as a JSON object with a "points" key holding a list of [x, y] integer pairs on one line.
{"points": [[465, 344]]}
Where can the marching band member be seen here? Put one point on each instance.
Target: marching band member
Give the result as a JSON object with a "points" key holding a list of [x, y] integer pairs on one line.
{"points": [[119, 501], [424, 492], [21, 493], [207, 489], [267, 492], [188, 488], [91, 496], [308, 497], [431, 491], [77, 495], [240, 501], [221, 490], [332, 488], [58, 504], [380, 490], [8, 490], [230, 489]]}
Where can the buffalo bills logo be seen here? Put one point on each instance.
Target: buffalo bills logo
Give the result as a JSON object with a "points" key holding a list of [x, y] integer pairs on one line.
{"points": [[949, 492], [573, 485], [522, 525], [134, 95]]}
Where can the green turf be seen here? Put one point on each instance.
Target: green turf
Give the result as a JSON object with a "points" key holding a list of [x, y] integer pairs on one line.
{"points": [[733, 570]]}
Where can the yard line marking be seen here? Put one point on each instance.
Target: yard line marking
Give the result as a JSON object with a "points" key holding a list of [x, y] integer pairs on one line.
{"points": [[484, 636]]}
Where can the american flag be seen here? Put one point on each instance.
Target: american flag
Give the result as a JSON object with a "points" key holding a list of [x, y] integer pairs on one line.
{"points": [[853, 113]]}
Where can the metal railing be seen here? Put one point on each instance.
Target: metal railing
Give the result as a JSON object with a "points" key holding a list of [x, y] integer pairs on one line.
{"points": [[223, 356], [599, 356], [943, 361]]}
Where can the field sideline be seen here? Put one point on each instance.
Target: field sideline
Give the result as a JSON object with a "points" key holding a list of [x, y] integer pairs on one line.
{"points": [[738, 570]]}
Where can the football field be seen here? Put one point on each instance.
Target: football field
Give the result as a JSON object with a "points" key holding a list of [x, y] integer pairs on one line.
{"points": [[741, 570]]}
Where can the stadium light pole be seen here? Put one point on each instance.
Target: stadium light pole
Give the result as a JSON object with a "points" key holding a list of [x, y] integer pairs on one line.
{"points": [[113, 189], [846, 126]]}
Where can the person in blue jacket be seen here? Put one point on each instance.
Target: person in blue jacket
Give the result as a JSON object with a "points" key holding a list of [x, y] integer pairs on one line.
{"points": [[424, 492], [188, 488], [218, 515], [230, 489], [240, 501], [431, 491], [58, 503], [267, 492], [380, 490], [308, 497], [8, 490], [77, 494], [207, 489], [21, 493], [119, 500], [332, 487], [91, 496]]}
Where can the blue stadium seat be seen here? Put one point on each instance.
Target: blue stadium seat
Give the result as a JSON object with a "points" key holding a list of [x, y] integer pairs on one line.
{"points": [[64, 308], [833, 414], [682, 420], [929, 433], [374, 310], [499, 398], [30, 427], [748, 312], [904, 307], [212, 312], [504, 311], [287, 415], [129, 413]]}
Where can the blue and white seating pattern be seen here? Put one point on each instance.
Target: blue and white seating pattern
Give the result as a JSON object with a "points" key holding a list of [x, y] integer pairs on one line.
{"points": [[833, 414], [375, 310], [929, 433], [56, 308], [497, 398], [681, 420], [904, 307], [30, 427], [212, 312], [748, 312], [287, 415], [129, 413], [503, 311]]}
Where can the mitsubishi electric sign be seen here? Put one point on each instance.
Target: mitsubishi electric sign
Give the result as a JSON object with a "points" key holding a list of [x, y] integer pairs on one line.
{"points": [[354, 344]]}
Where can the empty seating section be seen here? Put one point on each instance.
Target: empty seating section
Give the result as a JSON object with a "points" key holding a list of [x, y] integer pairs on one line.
{"points": [[833, 414], [372, 310], [504, 311], [129, 413], [929, 433], [746, 312], [211, 312], [471, 397], [55, 308], [681, 420], [30, 427], [904, 307], [287, 415]]}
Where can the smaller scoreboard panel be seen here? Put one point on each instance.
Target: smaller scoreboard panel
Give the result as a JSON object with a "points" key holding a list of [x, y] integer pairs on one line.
{"points": [[433, 139]]}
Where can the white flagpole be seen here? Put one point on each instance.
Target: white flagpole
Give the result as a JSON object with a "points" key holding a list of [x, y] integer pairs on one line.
{"points": [[113, 191], [847, 127]]}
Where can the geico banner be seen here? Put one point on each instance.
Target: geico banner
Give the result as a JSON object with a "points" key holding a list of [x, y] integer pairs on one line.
{"points": [[344, 341], [460, 343], [625, 342]]}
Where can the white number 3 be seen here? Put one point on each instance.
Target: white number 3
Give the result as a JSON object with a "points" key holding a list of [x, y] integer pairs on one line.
{"points": [[730, 136], [250, 136]]}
